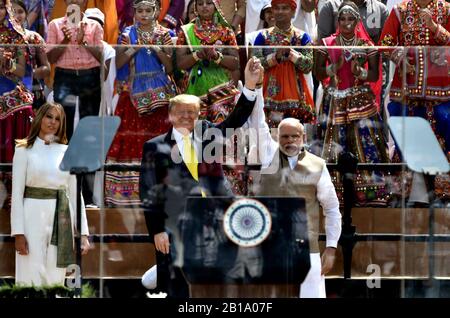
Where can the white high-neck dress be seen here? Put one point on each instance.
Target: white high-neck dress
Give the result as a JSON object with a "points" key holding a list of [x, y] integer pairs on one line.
{"points": [[38, 166]]}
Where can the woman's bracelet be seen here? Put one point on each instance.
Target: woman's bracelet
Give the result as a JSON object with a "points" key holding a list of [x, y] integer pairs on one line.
{"points": [[12, 66], [130, 52], [219, 58], [195, 56], [363, 74]]}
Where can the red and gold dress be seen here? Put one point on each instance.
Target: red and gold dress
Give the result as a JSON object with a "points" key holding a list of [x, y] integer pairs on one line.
{"points": [[351, 122], [426, 90]]}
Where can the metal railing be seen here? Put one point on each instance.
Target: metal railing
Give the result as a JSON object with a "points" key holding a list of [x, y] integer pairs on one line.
{"points": [[349, 237]]}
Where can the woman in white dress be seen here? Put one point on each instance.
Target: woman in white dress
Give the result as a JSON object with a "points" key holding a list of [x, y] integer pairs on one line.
{"points": [[44, 196]]}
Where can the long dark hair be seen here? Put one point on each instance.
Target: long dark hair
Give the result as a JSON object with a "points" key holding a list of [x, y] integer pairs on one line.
{"points": [[190, 4], [61, 137], [21, 4]]}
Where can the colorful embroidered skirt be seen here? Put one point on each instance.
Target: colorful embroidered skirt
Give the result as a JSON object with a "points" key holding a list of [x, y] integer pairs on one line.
{"points": [[122, 188]]}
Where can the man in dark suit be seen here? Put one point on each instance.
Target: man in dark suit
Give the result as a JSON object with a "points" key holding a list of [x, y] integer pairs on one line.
{"points": [[186, 161]]}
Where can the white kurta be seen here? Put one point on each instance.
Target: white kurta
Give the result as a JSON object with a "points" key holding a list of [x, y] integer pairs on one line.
{"points": [[265, 147], [38, 166]]}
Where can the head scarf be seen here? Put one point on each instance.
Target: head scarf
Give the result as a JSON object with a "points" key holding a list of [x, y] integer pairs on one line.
{"points": [[349, 9], [267, 6], [361, 33], [292, 3], [10, 22], [218, 15]]}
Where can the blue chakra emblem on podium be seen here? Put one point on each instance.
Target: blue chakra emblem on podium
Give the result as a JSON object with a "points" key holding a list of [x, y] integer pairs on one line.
{"points": [[247, 222]]}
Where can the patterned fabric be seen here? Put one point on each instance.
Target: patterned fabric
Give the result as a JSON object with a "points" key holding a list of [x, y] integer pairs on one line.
{"points": [[349, 122], [150, 86], [174, 13], [36, 46], [14, 94], [426, 92], [285, 87], [206, 80], [431, 81], [62, 235], [122, 188], [75, 57], [15, 100]]}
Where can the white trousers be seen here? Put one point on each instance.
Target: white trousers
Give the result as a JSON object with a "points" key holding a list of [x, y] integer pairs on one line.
{"points": [[38, 268], [314, 284]]}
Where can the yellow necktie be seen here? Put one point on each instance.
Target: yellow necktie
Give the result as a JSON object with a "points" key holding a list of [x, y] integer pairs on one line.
{"points": [[190, 159]]}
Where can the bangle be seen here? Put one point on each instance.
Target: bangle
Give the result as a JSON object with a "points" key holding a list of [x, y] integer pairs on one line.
{"points": [[130, 52], [363, 75], [12, 66], [195, 56], [219, 58], [330, 70]]}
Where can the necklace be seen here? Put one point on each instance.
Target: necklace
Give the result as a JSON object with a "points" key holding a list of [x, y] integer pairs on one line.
{"points": [[348, 42], [348, 53], [145, 38], [207, 31]]}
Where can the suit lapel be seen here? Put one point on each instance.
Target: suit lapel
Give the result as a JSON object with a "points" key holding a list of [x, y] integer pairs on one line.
{"points": [[175, 151]]}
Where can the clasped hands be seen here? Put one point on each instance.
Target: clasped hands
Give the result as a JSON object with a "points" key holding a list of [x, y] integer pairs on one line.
{"points": [[286, 54], [68, 33], [208, 53]]}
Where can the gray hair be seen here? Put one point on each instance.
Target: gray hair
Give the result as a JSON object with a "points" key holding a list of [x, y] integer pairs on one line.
{"points": [[292, 122]]}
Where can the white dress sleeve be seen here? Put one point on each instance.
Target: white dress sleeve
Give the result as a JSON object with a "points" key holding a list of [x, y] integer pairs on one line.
{"points": [[73, 202], [262, 147], [19, 174], [326, 194]]}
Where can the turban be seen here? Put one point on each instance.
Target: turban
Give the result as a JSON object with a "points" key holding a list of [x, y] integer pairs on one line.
{"points": [[292, 3]]}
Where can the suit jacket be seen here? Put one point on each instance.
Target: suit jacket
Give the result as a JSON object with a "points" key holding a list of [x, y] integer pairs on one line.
{"points": [[165, 182]]}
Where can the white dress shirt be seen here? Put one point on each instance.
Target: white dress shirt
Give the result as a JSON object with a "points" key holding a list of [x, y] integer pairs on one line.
{"points": [[196, 141]]}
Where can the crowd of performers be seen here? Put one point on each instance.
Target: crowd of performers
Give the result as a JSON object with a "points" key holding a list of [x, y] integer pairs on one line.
{"points": [[320, 64]]}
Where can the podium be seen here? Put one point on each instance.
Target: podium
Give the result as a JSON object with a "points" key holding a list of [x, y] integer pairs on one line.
{"points": [[86, 153], [266, 235]]}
